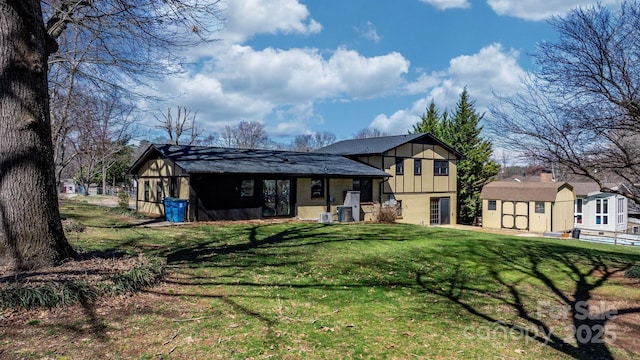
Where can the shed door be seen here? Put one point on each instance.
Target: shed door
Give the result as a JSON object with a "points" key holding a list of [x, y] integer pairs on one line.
{"points": [[515, 215]]}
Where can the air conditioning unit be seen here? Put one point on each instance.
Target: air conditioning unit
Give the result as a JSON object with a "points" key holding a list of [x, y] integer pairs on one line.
{"points": [[345, 213], [325, 218]]}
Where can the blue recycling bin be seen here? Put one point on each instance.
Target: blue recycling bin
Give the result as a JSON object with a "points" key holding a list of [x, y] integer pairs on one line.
{"points": [[179, 210], [175, 209], [169, 208]]}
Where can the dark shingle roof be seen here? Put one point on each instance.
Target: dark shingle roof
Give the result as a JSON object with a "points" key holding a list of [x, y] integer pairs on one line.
{"points": [[522, 191], [380, 145], [213, 160]]}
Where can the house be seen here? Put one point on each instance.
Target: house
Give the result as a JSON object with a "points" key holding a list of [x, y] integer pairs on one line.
{"points": [[221, 183], [422, 173], [595, 210], [544, 206], [67, 186]]}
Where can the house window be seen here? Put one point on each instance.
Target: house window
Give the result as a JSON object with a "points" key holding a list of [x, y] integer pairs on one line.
{"points": [[399, 166], [493, 204], [365, 187], [578, 211], [159, 191], [602, 211], [147, 190], [620, 210], [539, 207], [440, 167], [317, 188], [417, 166], [247, 188]]}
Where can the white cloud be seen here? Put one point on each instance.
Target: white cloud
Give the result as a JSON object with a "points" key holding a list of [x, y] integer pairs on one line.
{"points": [[299, 75], [242, 83], [366, 77], [369, 32], [448, 4], [423, 83], [216, 107], [492, 69], [246, 18], [232, 82], [294, 120], [402, 120], [540, 10]]}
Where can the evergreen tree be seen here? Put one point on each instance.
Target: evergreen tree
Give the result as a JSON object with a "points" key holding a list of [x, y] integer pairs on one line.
{"points": [[462, 132], [430, 122], [435, 124], [477, 168]]}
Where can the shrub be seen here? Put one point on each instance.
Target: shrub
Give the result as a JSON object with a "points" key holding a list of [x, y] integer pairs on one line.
{"points": [[387, 215], [633, 272], [52, 294], [149, 272], [123, 199], [45, 296], [73, 226]]}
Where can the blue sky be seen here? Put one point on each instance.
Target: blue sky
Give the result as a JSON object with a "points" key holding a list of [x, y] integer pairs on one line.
{"points": [[343, 65]]}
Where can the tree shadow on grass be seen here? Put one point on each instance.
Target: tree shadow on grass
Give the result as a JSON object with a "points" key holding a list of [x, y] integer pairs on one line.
{"points": [[567, 276], [87, 269], [535, 280], [291, 236]]}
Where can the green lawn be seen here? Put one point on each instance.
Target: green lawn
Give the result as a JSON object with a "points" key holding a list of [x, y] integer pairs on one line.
{"points": [[343, 291]]}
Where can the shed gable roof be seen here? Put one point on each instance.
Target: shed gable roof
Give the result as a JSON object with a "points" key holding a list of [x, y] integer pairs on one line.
{"points": [[214, 160], [523, 191], [380, 145]]}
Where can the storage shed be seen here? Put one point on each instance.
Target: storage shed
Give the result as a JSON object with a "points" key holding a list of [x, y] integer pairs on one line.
{"points": [[532, 206]]}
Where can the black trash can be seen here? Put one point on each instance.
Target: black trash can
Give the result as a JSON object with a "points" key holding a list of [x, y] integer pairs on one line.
{"points": [[575, 234]]}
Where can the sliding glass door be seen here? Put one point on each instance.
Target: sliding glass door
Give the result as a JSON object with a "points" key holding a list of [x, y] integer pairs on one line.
{"points": [[276, 197]]}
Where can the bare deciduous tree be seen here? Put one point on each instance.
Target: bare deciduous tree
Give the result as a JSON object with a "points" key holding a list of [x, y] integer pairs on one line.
{"points": [[114, 45], [310, 142], [303, 143], [246, 135], [581, 111], [369, 133], [103, 131], [323, 139], [126, 41], [183, 123]]}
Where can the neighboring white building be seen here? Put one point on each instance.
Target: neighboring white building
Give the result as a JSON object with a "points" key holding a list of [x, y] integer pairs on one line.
{"points": [[595, 210], [68, 186]]}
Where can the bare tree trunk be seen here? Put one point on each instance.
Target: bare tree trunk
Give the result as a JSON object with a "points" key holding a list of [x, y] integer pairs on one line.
{"points": [[31, 232], [104, 178]]}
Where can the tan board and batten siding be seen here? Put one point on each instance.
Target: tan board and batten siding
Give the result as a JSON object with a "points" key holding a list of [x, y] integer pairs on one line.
{"points": [[308, 208], [515, 206], [158, 172], [422, 197], [416, 191]]}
